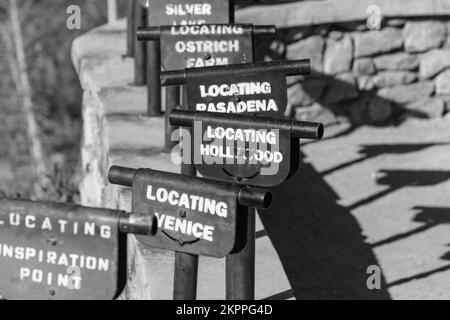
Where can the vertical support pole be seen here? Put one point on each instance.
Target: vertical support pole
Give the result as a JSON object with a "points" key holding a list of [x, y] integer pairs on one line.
{"points": [[187, 168], [131, 28], [240, 266], [186, 265], [153, 77], [185, 277], [231, 4], [172, 101], [140, 46]]}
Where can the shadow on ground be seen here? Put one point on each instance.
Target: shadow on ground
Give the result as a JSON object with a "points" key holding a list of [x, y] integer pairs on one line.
{"points": [[367, 152], [429, 217], [397, 179], [319, 242], [426, 274]]}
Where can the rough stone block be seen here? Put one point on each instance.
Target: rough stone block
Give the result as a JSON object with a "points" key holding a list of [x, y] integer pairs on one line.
{"points": [[335, 35], [309, 48], [368, 109], [364, 66], [316, 112], [365, 83], [338, 55], [433, 62], [342, 87], [378, 110], [397, 61], [305, 93], [428, 108], [377, 41], [443, 82], [393, 78], [424, 35], [407, 93]]}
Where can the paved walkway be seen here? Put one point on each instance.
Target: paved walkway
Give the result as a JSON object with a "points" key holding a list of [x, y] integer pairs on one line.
{"points": [[374, 196]]}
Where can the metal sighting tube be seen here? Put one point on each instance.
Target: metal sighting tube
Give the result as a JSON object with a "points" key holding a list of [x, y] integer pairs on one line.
{"points": [[298, 129], [154, 33], [291, 68], [247, 196], [121, 176], [140, 47], [137, 223]]}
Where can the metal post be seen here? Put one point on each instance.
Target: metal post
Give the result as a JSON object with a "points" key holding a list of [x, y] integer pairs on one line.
{"points": [[140, 46], [186, 265], [172, 101], [131, 27], [153, 76], [240, 266], [185, 276], [187, 168]]}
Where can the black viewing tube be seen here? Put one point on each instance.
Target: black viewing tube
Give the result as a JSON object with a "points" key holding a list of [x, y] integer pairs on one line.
{"points": [[298, 129], [154, 33], [247, 196], [291, 68]]}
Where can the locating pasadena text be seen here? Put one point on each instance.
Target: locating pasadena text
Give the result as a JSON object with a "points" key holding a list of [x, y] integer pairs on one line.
{"points": [[238, 105], [234, 89]]}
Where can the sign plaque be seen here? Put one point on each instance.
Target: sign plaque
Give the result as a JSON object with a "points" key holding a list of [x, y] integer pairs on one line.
{"points": [[197, 217], [60, 252]]}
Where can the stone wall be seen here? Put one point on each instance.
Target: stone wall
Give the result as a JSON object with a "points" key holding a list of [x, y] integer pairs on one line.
{"points": [[369, 76]]}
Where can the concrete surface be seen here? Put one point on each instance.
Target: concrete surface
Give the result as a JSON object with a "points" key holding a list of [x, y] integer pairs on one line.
{"points": [[371, 196]]}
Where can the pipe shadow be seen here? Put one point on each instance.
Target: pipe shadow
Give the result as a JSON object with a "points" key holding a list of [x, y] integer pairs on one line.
{"points": [[430, 217], [423, 275], [319, 242], [371, 151], [397, 179], [345, 95]]}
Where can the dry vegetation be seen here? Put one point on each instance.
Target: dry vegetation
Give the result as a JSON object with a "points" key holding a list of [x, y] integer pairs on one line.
{"points": [[55, 97]]}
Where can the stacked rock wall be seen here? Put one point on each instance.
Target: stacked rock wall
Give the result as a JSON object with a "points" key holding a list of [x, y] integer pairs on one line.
{"points": [[369, 76]]}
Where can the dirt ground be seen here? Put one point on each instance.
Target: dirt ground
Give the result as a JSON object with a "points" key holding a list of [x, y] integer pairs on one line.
{"points": [[369, 196]]}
